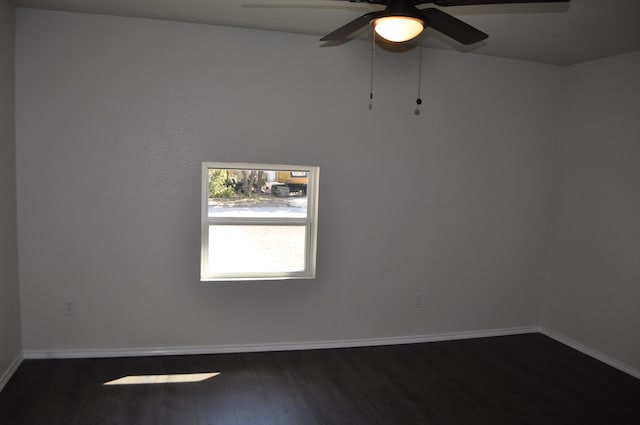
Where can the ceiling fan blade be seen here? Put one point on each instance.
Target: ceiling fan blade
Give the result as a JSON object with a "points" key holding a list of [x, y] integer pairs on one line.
{"points": [[365, 1], [298, 4], [348, 29], [452, 27], [477, 2]]}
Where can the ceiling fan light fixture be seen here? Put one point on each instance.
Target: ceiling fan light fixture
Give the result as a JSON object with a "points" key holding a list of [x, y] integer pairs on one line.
{"points": [[398, 28]]}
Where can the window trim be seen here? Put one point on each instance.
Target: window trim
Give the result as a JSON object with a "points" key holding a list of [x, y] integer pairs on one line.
{"points": [[310, 223]]}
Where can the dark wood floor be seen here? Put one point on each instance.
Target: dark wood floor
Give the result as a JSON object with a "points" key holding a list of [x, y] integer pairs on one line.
{"points": [[523, 379]]}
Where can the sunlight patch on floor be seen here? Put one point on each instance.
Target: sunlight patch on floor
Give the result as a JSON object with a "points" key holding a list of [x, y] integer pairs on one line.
{"points": [[177, 378]]}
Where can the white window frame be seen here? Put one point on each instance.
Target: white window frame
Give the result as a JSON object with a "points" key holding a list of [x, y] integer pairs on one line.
{"points": [[310, 223]]}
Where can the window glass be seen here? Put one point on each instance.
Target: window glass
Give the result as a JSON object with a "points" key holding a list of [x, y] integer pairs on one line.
{"points": [[257, 193], [256, 249]]}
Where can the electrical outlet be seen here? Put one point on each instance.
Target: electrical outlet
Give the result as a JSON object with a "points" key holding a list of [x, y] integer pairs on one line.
{"points": [[417, 302], [68, 308]]}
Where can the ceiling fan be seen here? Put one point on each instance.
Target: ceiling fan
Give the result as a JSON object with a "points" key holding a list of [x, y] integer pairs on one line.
{"points": [[401, 20]]}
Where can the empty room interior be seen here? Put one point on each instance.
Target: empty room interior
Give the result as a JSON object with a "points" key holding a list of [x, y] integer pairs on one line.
{"points": [[475, 256]]}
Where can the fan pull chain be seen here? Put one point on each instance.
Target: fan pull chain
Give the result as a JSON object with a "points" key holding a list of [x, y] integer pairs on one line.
{"points": [[419, 99], [373, 62]]}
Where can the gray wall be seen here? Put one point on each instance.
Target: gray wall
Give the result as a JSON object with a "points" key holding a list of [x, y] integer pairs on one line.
{"points": [[593, 289], [10, 344], [115, 116]]}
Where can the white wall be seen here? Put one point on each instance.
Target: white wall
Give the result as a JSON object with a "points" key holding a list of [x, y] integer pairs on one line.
{"points": [[115, 116], [10, 344], [593, 287]]}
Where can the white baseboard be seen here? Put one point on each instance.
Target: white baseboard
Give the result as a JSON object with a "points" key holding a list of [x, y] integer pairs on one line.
{"points": [[6, 376], [290, 346], [591, 352], [287, 346]]}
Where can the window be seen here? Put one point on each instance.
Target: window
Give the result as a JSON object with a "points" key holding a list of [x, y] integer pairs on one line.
{"points": [[259, 221]]}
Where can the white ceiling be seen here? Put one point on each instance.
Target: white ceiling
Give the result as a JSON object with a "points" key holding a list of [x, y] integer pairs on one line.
{"points": [[560, 33]]}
